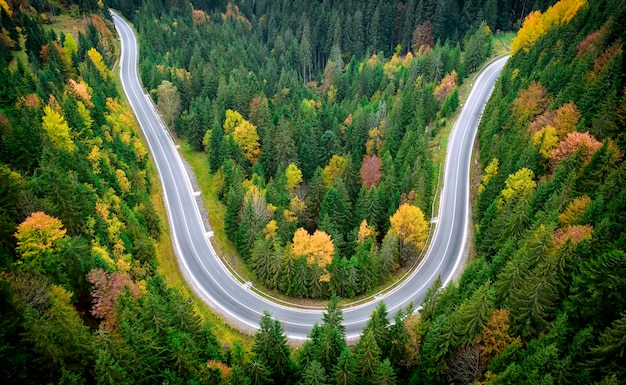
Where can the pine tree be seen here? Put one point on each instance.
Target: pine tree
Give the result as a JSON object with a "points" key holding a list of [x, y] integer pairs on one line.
{"points": [[595, 297], [331, 345], [475, 312], [384, 374], [314, 374], [533, 304], [609, 354], [430, 300], [379, 325], [258, 373], [398, 339], [270, 347], [345, 372], [333, 317], [368, 355]]}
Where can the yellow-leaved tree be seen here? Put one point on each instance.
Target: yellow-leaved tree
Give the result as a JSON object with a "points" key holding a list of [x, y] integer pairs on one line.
{"points": [[98, 62], [317, 248], [246, 136], [365, 231], [490, 171], [410, 225], [537, 24], [546, 139], [294, 176], [232, 120], [57, 130], [5, 6], [574, 210], [518, 185], [336, 167]]}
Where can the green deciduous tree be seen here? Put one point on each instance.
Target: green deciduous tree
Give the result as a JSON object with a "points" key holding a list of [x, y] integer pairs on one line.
{"points": [[168, 102]]}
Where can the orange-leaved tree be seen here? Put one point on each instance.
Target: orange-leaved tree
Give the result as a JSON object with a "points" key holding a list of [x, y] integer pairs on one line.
{"points": [[574, 234], [495, 336], [573, 142], [446, 86], [531, 101], [40, 240]]}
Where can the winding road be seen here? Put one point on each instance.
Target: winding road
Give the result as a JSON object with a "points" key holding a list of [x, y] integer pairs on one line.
{"points": [[235, 300]]}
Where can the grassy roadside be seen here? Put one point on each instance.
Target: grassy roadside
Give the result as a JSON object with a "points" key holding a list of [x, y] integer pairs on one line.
{"points": [[168, 268], [501, 43], [215, 209]]}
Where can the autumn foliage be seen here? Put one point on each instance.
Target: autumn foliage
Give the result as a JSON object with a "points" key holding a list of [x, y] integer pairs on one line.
{"points": [[294, 176], [446, 86], [574, 234], [371, 170], [57, 130], [490, 171], [531, 31], [537, 24], [365, 231], [564, 120], [409, 223], [573, 142], [107, 288], [574, 210], [245, 135], [495, 336], [336, 167], [546, 139], [423, 39], [38, 233], [532, 101], [519, 184], [199, 17], [317, 248]]}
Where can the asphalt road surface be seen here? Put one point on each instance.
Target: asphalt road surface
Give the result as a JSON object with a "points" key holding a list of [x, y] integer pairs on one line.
{"points": [[235, 300]]}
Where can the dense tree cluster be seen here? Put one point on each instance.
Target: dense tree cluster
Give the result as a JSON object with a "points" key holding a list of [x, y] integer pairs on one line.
{"points": [[324, 169], [550, 233], [80, 298], [543, 301], [313, 125]]}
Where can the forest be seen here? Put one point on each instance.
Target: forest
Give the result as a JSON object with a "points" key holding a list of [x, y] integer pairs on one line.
{"points": [[317, 120], [319, 143]]}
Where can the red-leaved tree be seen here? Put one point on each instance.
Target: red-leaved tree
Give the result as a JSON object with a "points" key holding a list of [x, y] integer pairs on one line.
{"points": [[107, 288], [371, 170]]}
